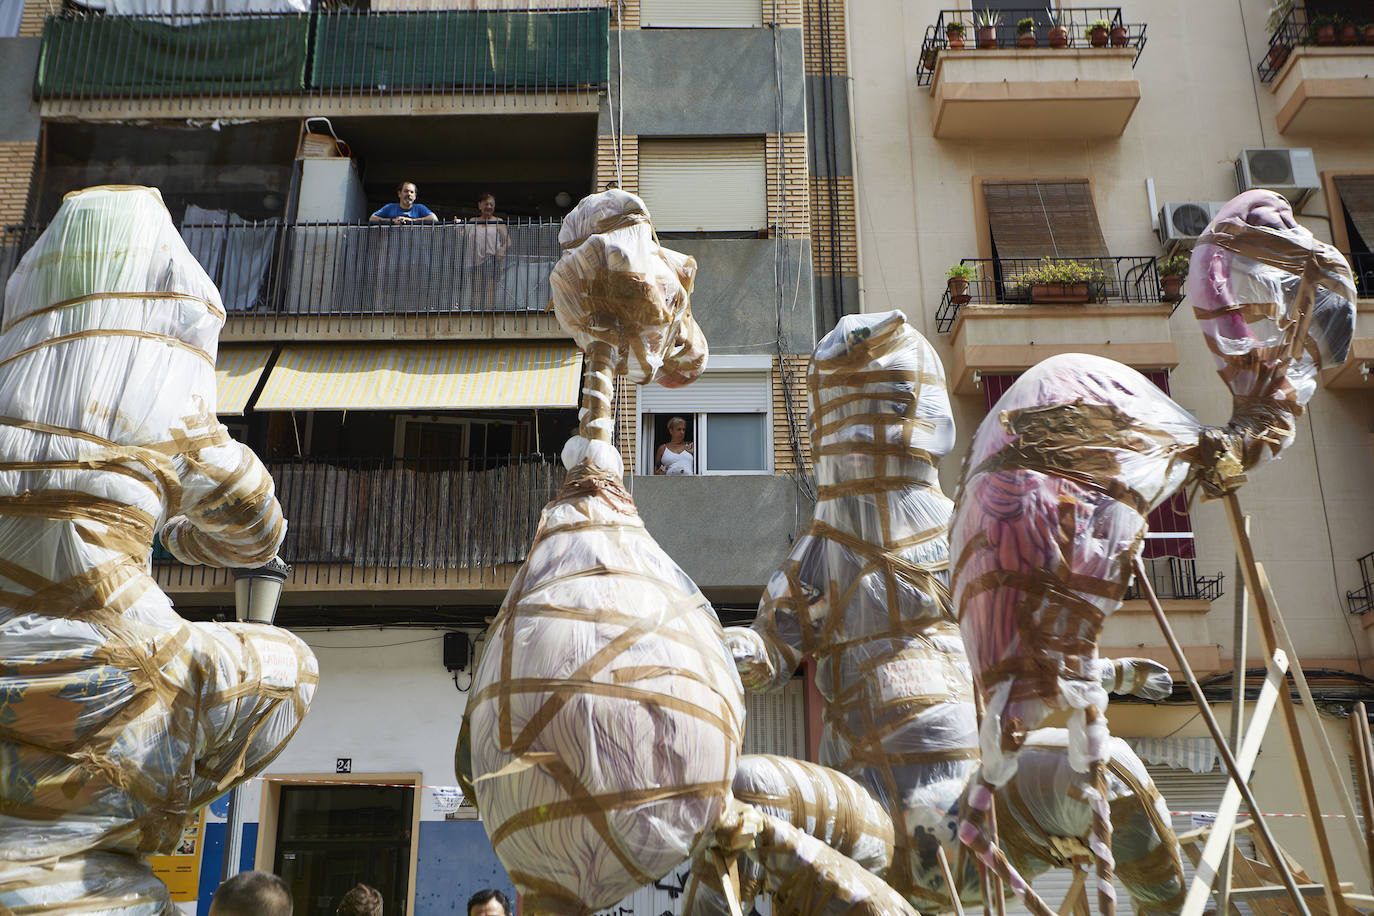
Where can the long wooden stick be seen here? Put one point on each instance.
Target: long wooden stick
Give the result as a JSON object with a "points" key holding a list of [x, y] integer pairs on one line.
{"points": [[1205, 711], [949, 880], [1239, 655], [1220, 839], [1364, 757], [1266, 613]]}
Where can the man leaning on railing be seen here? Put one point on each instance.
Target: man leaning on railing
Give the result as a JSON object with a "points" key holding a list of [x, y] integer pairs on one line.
{"points": [[406, 210]]}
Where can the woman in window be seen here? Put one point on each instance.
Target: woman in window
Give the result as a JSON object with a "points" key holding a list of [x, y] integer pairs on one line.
{"points": [[676, 456]]}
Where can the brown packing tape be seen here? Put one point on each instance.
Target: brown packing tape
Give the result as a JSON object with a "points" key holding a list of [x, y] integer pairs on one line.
{"points": [[1271, 247], [165, 339], [148, 296], [610, 224]]}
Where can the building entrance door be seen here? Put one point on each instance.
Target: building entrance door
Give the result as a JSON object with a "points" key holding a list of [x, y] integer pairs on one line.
{"points": [[329, 838]]}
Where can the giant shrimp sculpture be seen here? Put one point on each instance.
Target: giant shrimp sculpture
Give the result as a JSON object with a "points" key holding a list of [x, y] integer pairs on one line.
{"points": [[119, 720], [865, 594], [1067, 465], [603, 730]]}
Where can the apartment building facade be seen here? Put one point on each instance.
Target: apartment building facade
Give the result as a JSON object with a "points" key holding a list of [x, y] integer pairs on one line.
{"points": [[1002, 151], [410, 398]]}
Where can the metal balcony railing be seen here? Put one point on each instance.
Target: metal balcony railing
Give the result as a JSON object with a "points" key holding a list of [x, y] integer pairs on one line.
{"points": [[1361, 600], [416, 514], [1297, 28], [1076, 20], [1174, 578], [1362, 266], [1006, 281], [342, 269], [344, 54]]}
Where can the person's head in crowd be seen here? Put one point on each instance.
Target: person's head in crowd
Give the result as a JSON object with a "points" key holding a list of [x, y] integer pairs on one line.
{"points": [[360, 901], [406, 194], [252, 893], [489, 902], [486, 205]]}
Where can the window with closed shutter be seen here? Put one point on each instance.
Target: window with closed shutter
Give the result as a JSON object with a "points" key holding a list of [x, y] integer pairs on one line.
{"points": [[1041, 218], [704, 185], [727, 412], [701, 14]]}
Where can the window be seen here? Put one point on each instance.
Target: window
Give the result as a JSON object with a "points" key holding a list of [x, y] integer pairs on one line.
{"points": [[1353, 228], [1043, 218], [708, 14], [674, 173], [460, 437], [727, 413]]}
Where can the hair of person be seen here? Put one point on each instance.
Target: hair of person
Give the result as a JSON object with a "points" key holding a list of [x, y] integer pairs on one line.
{"points": [[484, 195], [674, 421], [252, 893], [360, 901], [483, 896], [408, 182]]}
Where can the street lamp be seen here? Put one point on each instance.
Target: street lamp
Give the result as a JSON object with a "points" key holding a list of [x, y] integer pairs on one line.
{"points": [[257, 591]]}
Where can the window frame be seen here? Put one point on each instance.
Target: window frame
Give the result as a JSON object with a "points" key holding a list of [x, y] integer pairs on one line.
{"points": [[760, 366], [1335, 208]]}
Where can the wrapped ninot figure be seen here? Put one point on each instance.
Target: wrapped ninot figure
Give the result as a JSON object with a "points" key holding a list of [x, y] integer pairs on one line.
{"points": [[1069, 462], [119, 720]]}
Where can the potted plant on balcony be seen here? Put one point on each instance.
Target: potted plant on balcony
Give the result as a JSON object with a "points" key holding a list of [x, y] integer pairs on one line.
{"points": [[1064, 282], [1058, 34], [1118, 35], [987, 22], [954, 35], [1368, 30], [1349, 32], [1172, 272], [959, 276], [1025, 33], [1098, 32], [1322, 30]]}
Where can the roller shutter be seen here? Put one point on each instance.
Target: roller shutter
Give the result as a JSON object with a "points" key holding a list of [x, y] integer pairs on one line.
{"points": [[704, 185]]}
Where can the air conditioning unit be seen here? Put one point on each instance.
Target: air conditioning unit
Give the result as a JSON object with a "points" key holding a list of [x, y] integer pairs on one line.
{"points": [[1290, 172], [1181, 224]]}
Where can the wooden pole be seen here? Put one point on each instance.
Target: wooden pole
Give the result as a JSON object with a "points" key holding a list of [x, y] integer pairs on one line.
{"points": [[949, 880], [1266, 613], [1364, 756], [1205, 711], [1238, 661]]}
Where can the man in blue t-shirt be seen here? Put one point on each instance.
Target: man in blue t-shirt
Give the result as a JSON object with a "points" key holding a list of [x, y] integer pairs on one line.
{"points": [[406, 210]]}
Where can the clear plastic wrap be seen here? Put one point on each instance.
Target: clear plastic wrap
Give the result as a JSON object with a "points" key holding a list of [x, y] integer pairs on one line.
{"points": [[865, 593], [122, 720], [605, 716]]}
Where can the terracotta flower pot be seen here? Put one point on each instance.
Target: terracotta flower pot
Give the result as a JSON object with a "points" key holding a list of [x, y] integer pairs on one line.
{"points": [[958, 290], [1369, 34], [1118, 36], [1098, 38], [1059, 37], [1026, 40], [928, 59], [1350, 34], [1059, 292], [1326, 34], [1278, 54], [955, 39], [987, 36], [1172, 286]]}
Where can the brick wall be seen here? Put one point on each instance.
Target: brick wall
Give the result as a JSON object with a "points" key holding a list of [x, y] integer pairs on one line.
{"points": [[820, 226], [625, 13], [16, 173], [782, 12], [789, 377], [626, 432], [820, 14], [788, 200], [629, 162], [31, 20]]}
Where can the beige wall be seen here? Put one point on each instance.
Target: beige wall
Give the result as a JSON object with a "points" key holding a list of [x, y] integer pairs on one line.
{"points": [[915, 197]]}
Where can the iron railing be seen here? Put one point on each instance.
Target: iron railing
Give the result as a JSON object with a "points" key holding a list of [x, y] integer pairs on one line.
{"points": [[1076, 20], [415, 514], [1361, 600], [1175, 578], [1298, 28], [1362, 266], [345, 54], [344, 269], [1006, 281], [267, 268]]}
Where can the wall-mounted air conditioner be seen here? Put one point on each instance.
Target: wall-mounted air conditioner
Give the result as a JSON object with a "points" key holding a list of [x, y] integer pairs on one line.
{"points": [[1180, 224], [1290, 172]]}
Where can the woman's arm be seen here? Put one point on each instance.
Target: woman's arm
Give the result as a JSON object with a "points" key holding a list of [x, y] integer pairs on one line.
{"points": [[658, 460]]}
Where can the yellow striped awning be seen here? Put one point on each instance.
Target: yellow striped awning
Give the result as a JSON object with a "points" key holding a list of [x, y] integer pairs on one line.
{"points": [[237, 370], [443, 376]]}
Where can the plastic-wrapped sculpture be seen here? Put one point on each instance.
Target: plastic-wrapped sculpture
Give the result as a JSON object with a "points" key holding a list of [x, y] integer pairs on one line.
{"points": [[865, 593], [603, 728], [1066, 466], [119, 720]]}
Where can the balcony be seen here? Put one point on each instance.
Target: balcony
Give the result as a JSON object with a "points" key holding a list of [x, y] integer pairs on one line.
{"points": [[1355, 371], [298, 279], [1001, 329], [322, 63], [1361, 600], [990, 84], [410, 523], [1185, 596], [1320, 81]]}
